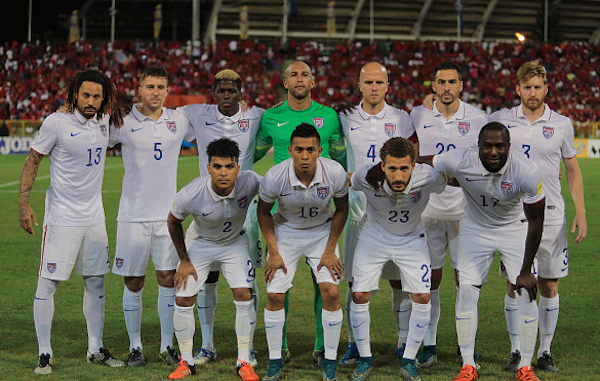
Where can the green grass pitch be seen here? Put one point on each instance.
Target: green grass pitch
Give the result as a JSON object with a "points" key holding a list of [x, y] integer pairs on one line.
{"points": [[574, 348]]}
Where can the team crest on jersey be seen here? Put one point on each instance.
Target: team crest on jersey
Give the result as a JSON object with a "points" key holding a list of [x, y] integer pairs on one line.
{"points": [[119, 262], [318, 122], [414, 196], [104, 130], [390, 129], [172, 126], [323, 192], [243, 202], [244, 125], [51, 267], [464, 127], [548, 132], [506, 187]]}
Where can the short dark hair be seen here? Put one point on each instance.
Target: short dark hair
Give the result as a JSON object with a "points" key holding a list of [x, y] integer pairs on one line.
{"points": [[154, 71], [493, 126], [305, 130], [223, 147], [227, 75], [448, 66], [398, 148]]}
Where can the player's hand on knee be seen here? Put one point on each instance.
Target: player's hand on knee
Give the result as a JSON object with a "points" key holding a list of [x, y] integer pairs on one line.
{"points": [[274, 263], [185, 269], [527, 281], [333, 264], [26, 216]]}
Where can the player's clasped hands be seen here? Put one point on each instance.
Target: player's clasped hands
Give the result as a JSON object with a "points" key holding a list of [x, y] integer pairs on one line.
{"points": [[185, 269], [331, 261], [527, 281], [274, 262]]}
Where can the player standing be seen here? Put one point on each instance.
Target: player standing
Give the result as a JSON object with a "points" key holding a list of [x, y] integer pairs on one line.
{"points": [[218, 203], [545, 137], [74, 221], [304, 224], [450, 124], [150, 139], [366, 128]]}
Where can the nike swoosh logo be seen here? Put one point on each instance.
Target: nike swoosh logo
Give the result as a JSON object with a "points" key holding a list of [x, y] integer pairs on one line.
{"points": [[354, 128], [421, 326], [379, 195], [170, 305], [459, 318], [530, 321], [126, 310], [358, 325], [39, 298], [551, 309], [72, 134], [282, 124], [179, 330], [252, 323], [428, 125], [136, 129], [203, 307], [286, 194], [468, 179], [334, 324], [509, 126], [209, 124], [101, 297], [206, 214], [406, 310], [270, 326], [511, 309]]}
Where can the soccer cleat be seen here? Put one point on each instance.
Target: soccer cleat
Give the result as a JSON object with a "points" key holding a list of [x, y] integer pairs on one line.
{"points": [[526, 374], [329, 370], [204, 356], [546, 363], [252, 359], [318, 355], [351, 355], [136, 357], [286, 355], [399, 352], [246, 372], [513, 362], [103, 356], [476, 357], [44, 364], [408, 370], [362, 371], [170, 356], [182, 371], [467, 373], [428, 357], [275, 370]]}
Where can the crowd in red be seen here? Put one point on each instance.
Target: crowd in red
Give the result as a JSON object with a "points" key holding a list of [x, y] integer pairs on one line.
{"points": [[32, 76]]}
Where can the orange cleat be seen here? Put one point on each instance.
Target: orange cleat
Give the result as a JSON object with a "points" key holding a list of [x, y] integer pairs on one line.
{"points": [[467, 373], [526, 374], [246, 372], [182, 371]]}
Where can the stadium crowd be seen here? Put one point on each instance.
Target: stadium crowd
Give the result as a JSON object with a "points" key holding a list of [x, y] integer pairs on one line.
{"points": [[32, 76]]}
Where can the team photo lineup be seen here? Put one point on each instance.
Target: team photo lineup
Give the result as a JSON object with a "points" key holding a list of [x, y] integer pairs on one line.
{"points": [[357, 193]]}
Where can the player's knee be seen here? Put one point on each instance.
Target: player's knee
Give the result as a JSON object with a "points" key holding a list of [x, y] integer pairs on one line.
{"points": [[421, 298], [275, 301], [187, 301], [134, 284], [548, 287], [165, 278], [242, 294], [361, 297]]}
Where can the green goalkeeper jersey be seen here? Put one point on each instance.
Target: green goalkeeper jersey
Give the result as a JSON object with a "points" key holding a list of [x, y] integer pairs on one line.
{"points": [[278, 123]]}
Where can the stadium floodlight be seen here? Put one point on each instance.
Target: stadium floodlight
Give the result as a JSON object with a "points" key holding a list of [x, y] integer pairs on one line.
{"points": [[520, 37]]}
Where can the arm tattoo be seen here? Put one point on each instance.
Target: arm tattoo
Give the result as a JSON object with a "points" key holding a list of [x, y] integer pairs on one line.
{"points": [[29, 174]]}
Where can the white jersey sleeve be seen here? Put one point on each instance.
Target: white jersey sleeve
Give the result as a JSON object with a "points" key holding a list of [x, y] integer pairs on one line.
{"points": [[47, 136]]}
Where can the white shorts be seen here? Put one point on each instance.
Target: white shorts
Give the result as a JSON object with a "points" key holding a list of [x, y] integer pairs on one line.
{"points": [[292, 248], [82, 247], [442, 236], [477, 246], [232, 259], [137, 242], [408, 254]]}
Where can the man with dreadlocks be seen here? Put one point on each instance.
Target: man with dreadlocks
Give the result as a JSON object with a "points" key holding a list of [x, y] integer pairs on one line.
{"points": [[74, 229]]}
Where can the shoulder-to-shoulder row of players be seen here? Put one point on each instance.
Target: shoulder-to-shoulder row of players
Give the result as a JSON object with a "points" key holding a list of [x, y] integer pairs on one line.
{"points": [[405, 188]]}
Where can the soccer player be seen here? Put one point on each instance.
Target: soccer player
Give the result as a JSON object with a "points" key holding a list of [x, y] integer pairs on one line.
{"points": [[150, 139], [74, 229], [226, 119], [449, 124], [545, 137], [276, 127], [218, 203], [304, 224], [397, 191], [366, 127], [499, 186]]}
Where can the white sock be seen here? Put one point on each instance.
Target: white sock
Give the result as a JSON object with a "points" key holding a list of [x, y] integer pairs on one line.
{"points": [[419, 321], [431, 334], [402, 314], [132, 311], [466, 322], [184, 326], [207, 301], [274, 321], [93, 310], [511, 312], [549, 308], [332, 327], [166, 309], [361, 324], [528, 327], [245, 323], [348, 305], [43, 311]]}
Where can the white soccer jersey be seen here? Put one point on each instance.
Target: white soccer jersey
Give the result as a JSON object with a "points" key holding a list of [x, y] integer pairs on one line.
{"points": [[150, 155], [398, 213], [438, 135], [218, 219], [544, 142], [493, 199], [77, 149], [365, 134], [300, 207], [209, 124]]}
